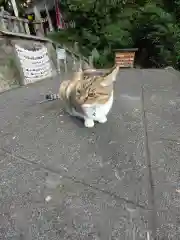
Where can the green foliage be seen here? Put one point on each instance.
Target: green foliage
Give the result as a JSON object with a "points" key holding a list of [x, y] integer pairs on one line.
{"points": [[113, 24]]}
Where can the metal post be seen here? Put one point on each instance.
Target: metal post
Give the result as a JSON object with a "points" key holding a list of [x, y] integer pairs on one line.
{"points": [[80, 64], [74, 62], [58, 62], [27, 28], [65, 64], [91, 61]]}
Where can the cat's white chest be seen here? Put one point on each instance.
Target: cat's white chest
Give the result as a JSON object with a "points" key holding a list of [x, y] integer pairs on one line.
{"points": [[98, 111], [94, 112]]}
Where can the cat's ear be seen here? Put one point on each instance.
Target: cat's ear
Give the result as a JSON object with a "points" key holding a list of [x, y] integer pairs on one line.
{"points": [[110, 77]]}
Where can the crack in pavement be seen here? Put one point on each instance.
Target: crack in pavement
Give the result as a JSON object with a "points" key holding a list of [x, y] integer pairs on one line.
{"points": [[75, 180], [149, 165]]}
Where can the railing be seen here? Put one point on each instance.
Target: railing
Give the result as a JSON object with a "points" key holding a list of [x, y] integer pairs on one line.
{"points": [[21, 25], [15, 27]]}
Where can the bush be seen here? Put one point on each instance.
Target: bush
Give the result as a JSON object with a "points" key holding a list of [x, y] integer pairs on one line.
{"points": [[109, 25]]}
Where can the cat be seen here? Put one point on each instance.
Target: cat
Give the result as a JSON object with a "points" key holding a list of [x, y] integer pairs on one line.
{"points": [[88, 95]]}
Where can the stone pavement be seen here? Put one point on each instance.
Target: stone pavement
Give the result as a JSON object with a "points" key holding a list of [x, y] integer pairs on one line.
{"points": [[117, 181]]}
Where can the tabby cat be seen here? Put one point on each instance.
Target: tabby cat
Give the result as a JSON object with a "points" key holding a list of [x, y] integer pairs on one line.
{"points": [[88, 96]]}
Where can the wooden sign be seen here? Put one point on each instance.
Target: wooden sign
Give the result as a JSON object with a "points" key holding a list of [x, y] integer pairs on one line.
{"points": [[125, 58]]}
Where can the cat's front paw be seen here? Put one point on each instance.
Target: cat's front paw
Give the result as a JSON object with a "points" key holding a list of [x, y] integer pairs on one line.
{"points": [[89, 123], [102, 119]]}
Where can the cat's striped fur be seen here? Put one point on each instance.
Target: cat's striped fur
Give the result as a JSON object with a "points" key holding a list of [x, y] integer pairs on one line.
{"points": [[86, 89]]}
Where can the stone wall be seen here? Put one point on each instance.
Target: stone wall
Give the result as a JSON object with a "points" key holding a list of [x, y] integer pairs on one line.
{"points": [[11, 69], [9, 74]]}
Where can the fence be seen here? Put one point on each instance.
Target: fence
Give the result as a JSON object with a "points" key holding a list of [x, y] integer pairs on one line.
{"points": [[15, 28], [21, 25]]}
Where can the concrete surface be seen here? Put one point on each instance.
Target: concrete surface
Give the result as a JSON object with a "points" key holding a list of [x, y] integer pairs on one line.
{"points": [[117, 181]]}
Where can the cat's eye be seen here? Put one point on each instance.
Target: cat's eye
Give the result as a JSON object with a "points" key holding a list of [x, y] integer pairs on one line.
{"points": [[92, 94]]}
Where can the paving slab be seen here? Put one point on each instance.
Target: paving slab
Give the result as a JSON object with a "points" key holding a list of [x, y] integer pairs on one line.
{"points": [[40, 204], [104, 170], [110, 156], [162, 111]]}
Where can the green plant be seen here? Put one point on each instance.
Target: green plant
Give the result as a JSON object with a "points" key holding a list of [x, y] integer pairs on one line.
{"points": [[114, 24]]}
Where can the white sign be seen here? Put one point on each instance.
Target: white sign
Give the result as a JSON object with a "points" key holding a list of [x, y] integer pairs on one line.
{"points": [[35, 65], [61, 53]]}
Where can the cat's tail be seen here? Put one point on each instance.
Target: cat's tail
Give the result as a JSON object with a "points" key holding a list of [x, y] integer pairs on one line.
{"points": [[61, 95], [52, 96]]}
